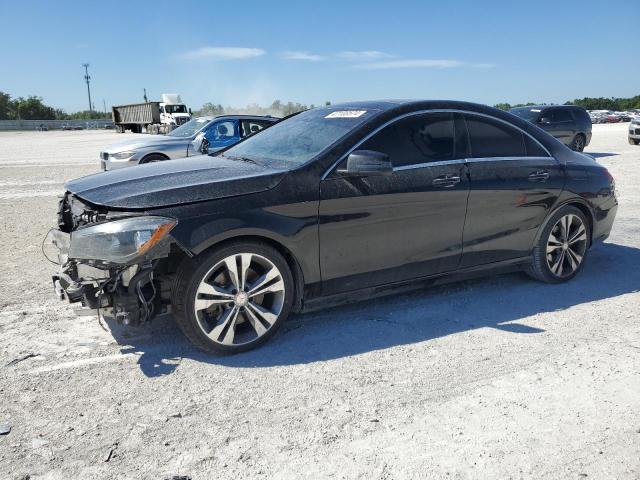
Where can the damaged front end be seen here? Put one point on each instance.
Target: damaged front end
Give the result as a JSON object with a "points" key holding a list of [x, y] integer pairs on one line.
{"points": [[112, 262]]}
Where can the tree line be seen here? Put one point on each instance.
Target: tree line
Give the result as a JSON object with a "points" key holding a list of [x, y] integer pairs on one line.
{"points": [[33, 108], [276, 109], [589, 103]]}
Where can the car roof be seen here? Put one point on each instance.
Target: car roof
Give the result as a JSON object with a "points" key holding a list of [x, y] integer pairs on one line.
{"points": [[249, 117], [543, 107], [390, 107], [208, 118]]}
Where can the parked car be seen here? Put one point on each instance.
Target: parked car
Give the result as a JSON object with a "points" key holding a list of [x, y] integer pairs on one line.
{"points": [[597, 117], [634, 132], [568, 123], [335, 204], [624, 116], [68, 126], [199, 135], [612, 117]]}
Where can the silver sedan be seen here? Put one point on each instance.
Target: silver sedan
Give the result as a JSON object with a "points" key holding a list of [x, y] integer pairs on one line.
{"points": [[198, 136]]}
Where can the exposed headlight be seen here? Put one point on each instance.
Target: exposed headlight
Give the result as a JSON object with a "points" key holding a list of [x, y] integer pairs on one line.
{"points": [[119, 241], [122, 155]]}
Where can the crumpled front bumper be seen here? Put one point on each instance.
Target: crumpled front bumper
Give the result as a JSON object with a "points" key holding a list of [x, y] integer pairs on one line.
{"points": [[69, 282], [121, 293]]}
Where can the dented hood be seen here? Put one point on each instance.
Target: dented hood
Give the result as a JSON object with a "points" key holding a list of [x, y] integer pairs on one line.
{"points": [[174, 182]]}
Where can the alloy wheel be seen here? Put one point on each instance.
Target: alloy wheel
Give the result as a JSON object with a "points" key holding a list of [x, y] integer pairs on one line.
{"points": [[239, 299], [578, 143], [566, 245]]}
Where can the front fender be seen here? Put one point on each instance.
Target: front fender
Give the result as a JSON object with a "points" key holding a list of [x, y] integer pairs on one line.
{"points": [[293, 226]]}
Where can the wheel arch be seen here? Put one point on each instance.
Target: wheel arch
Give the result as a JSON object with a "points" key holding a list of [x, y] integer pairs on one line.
{"points": [[156, 154], [580, 133], [280, 247], [572, 202]]}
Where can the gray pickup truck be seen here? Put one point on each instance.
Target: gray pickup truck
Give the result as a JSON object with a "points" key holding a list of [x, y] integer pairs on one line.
{"points": [[198, 136]]}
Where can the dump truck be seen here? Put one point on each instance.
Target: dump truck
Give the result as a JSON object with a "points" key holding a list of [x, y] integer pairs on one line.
{"points": [[154, 117]]}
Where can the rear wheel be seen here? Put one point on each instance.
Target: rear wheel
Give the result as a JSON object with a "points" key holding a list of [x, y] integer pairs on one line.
{"points": [[562, 247], [578, 143], [633, 141], [234, 298]]}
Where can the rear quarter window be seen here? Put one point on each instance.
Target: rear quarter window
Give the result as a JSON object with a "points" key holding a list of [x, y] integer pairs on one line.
{"points": [[581, 115]]}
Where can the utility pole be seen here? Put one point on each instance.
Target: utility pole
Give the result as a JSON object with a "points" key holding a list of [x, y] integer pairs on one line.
{"points": [[87, 78], [146, 100], [104, 104]]}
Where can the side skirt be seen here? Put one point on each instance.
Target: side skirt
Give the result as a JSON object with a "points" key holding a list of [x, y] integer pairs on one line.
{"points": [[353, 296]]}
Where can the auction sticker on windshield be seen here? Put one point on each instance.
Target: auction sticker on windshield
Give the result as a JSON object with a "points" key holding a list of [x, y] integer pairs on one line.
{"points": [[346, 114]]}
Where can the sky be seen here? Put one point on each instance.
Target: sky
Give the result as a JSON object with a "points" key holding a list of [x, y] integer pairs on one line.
{"points": [[241, 52]]}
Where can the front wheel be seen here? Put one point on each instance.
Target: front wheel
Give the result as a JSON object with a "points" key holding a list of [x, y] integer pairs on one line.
{"points": [[562, 247], [233, 298], [633, 141]]}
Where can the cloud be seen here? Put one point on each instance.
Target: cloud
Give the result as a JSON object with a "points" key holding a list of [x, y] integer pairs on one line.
{"points": [[363, 55], [222, 53], [417, 63], [304, 56]]}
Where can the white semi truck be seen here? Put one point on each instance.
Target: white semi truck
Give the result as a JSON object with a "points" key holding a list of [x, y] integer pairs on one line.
{"points": [[154, 117]]}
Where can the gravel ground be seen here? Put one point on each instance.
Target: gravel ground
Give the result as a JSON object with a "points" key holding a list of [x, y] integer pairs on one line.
{"points": [[499, 378]]}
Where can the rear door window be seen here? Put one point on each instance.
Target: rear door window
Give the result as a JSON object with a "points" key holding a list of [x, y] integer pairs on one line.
{"points": [[533, 148], [416, 139], [491, 138], [249, 127]]}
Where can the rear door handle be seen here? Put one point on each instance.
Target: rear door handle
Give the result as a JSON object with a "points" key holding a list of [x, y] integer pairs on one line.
{"points": [[446, 181], [539, 176]]}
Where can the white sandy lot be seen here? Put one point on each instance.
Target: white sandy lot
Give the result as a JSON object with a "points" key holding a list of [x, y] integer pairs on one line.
{"points": [[498, 378]]}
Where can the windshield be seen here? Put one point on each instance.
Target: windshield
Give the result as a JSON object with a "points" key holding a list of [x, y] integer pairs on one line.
{"points": [[190, 128], [175, 108], [297, 140], [527, 113]]}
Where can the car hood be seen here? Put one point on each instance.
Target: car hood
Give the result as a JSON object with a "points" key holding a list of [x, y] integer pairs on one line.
{"points": [[165, 184], [144, 142]]}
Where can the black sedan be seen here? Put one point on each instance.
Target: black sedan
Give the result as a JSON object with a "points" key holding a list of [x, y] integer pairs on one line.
{"points": [[334, 204]]}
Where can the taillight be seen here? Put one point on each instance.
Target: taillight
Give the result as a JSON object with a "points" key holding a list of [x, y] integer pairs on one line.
{"points": [[612, 181]]}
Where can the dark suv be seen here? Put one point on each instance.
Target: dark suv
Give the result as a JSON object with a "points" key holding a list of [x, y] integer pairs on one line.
{"points": [[568, 123]]}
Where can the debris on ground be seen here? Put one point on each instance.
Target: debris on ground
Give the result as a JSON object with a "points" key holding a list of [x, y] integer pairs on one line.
{"points": [[22, 358]]}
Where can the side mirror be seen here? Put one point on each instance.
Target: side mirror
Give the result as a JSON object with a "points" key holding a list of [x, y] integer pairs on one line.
{"points": [[200, 143], [368, 163], [190, 112]]}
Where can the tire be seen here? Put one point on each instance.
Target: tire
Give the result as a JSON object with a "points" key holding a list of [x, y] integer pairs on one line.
{"points": [[154, 157], [578, 143], [633, 141], [554, 256], [220, 314]]}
